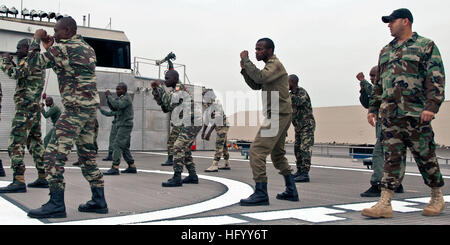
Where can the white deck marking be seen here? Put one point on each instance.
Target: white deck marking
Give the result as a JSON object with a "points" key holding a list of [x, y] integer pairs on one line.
{"points": [[236, 191], [426, 199], [315, 215], [10, 214], [310, 214], [4, 183], [216, 220]]}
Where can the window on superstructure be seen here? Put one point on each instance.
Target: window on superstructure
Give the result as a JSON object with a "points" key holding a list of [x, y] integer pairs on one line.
{"points": [[111, 54]]}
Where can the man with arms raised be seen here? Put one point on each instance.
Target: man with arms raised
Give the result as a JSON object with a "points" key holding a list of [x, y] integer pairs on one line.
{"points": [[270, 139], [74, 62]]}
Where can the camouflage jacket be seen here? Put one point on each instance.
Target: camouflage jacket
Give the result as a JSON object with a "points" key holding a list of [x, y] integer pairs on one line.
{"points": [[110, 114], [124, 109], [302, 112], [185, 111], [74, 62], [54, 112], [29, 85], [411, 79], [273, 77]]}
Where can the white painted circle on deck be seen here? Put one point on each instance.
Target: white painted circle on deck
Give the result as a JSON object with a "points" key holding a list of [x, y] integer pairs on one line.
{"points": [[236, 190]]}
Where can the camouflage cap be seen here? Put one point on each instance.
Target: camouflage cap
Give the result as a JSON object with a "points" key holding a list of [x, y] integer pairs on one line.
{"points": [[398, 14]]}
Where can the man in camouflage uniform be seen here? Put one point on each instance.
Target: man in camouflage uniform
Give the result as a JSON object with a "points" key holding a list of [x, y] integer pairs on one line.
{"points": [[26, 124], [53, 113], [408, 91], [173, 135], [123, 105], [112, 133], [187, 114], [377, 154], [214, 117], [304, 125], [271, 136], [78, 89]]}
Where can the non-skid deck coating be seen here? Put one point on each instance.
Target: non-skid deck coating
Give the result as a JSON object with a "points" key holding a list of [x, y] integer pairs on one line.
{"points": [[332, 196]]}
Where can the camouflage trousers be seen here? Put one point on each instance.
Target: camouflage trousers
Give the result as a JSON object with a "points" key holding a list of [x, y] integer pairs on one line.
{"points": [[221, 144], [79, 126], [273, 146], [26, 132], [121, 146], [182, 154], [172, 138], [397, 135], [95, 140], [304, 141]]}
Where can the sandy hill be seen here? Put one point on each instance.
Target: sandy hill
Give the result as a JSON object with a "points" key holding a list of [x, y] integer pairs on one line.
{"points": [[340, 124]]}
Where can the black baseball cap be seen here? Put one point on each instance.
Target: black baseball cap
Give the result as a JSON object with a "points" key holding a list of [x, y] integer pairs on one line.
{"points": [[398, 14]]}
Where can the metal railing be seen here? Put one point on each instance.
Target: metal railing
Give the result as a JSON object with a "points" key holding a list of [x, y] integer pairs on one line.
{"points": [[144, 67], [349, 151], [344, 151]]}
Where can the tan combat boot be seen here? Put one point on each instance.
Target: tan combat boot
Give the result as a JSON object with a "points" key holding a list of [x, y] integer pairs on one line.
{"points": [[383, 208], [437, 203], [226, 166], [214, 167]]}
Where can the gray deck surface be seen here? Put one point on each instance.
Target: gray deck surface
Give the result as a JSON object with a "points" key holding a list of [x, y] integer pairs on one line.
{"points": [[140, 199]]}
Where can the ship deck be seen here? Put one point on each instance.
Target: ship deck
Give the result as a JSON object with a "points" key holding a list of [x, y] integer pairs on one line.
{"points": [[331, 198]]}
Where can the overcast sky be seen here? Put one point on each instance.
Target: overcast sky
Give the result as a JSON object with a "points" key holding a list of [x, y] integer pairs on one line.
{"points": [[326, 43]]}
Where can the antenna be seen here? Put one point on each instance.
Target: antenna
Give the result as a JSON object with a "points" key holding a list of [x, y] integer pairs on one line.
{"points": [[109, 24]]}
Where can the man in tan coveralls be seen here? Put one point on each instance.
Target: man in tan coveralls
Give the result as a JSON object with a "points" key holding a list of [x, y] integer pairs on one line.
{"points": [[277, 110]]}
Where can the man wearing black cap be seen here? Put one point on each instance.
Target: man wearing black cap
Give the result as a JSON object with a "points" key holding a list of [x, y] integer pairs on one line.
{"points": [[408, 91]]}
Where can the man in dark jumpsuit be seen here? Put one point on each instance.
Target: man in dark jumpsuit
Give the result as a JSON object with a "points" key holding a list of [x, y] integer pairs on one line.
{"points": [[123, 105]]}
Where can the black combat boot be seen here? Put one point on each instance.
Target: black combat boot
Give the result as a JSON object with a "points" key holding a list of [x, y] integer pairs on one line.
{"points": [[302, 177], [39, 183], [112, 171], [175, 181], [399, 189], [169, 161], [192, 178], [109, 157], [97, 204], [15, 187], [296, 174], [290, 193], [54, 208], [373, 191], [2, 170], [259, 197], [130, 170]]}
